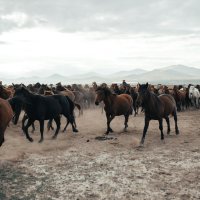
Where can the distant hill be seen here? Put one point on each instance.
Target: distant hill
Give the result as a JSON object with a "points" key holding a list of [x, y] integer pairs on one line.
{"points": [[127, 73], [170, 74]]}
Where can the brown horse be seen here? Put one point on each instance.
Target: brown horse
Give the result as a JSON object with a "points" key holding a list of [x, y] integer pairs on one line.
{"points": [[6, 115], [5, 93], [115, 105], [157, 108], [180, 98]]}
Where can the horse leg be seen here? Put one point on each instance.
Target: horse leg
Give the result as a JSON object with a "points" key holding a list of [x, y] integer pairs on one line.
{"points": [[41, 130], [135, 110], [144, 130], [74, 119], [49, 125], [66, 126], [25, 117], [25, 129], [168, 124], [175, 119], [71, 119], [161, 128], [178, 106], [197, 102], [57, 120], [126, 122], [73, 123], [109, 119], [1, 137]]}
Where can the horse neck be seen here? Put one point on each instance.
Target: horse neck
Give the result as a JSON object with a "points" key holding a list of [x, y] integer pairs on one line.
{"points": [[108, 100], [29, 97], [150, 102]]}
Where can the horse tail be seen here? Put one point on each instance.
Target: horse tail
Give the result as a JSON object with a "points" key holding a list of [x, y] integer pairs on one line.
{"points": [[78, 106]]}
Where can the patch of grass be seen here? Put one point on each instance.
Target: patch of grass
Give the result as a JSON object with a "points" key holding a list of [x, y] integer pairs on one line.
{"points": [[18, 184]]}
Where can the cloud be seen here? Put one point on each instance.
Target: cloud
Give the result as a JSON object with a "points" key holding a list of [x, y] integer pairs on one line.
{"points": [[97, 35], [116, 16]]}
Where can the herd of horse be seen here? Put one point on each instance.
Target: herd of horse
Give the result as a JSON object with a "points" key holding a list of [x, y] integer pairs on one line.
{"points": [[49, 102]]}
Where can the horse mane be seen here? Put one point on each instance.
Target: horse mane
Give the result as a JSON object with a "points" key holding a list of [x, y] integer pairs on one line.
{"points": [[23, 90], [106, 90]]}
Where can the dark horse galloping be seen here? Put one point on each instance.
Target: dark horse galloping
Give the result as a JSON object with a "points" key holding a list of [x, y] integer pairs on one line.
{"points": [[157, 108], [38, 107], [115, 105]]}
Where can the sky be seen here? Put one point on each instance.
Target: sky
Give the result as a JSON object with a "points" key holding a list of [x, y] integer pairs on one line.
{"points": [[40, 38]]}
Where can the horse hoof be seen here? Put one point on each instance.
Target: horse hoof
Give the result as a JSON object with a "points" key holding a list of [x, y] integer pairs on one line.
{"points": [[40, 141], [125, 130], [140, 146], [54, 137], [163, 141], [75, 130], [30, 139], [63, 130], [177, 132]]}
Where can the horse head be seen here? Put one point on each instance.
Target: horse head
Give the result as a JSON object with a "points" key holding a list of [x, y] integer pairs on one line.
{"points": [[22, 91], [101, 94], [143, 90]]}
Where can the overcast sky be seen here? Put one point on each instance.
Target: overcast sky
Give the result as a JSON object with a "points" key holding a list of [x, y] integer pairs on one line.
{"points": [[42, 37]]}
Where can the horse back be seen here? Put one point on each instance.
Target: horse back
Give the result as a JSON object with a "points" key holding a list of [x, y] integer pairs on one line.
{"points": [[122, 104], [168, 102], [43, 107], [125, 97]]}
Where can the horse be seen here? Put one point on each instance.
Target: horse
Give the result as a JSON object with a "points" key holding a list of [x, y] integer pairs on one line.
{"points": [[157, 108], [5, 93], [38, 107], [17, 106], [6, 115], [194, 95], [180, 98], [64, 91], [115, 105]]}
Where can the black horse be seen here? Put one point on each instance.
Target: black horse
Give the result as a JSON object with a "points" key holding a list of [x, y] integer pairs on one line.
{"points": [[38, 107], [157, 108]]}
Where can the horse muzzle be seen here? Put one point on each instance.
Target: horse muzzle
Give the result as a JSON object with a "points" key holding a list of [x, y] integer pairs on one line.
{"points": [[96, 103]]}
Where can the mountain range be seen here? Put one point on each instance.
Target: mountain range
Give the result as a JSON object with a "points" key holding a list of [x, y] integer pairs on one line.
{"points": [[167, 75]]}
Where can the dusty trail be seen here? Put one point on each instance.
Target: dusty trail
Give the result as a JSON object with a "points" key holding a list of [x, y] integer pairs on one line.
{"points": [[76, 166]]}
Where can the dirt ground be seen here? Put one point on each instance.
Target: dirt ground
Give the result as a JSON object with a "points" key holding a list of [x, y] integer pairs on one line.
{"points": [[77, 166]]}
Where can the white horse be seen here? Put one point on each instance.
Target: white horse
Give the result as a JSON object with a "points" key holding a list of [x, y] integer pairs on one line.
{"points": [[194, 95]]}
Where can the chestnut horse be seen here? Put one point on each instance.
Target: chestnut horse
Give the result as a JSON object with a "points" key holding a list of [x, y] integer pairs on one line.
{"points": [[115, 105], [156, 108], [5, 93], [6, 115], [180, 98]]}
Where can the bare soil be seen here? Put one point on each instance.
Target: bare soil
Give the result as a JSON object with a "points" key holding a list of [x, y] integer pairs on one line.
{"points": [[77, 166]]}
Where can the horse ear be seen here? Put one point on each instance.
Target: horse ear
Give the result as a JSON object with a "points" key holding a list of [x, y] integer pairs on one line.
{"points": [[147, 84]]}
